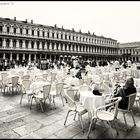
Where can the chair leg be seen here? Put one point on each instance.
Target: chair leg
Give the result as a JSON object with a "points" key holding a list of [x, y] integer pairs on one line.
{"points": [[133, 117], [31, 102], [21, 98], [116, 127], [75, 116], [81, 122], [90, 126], [41, 106], [62, 100], [125, 121], [110, 128], [54, 102], [66, 117]]}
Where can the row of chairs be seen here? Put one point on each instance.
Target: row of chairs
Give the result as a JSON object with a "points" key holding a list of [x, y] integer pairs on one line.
{"points": [[42, 95]]}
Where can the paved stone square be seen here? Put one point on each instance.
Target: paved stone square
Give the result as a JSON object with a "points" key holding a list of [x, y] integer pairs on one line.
{"points": [[18, 121]]}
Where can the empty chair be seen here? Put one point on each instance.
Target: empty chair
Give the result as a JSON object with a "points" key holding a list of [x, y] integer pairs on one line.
{"points": [[58, 91], [88, 81], [39, 77], [137, 99], [27, 76], [45, 75], [73, 107], [13, 85], [52, 77], [84, 87], [26, 89], [106, 113], [42, 96]]}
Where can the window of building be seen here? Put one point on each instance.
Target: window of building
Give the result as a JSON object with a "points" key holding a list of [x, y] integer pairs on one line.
{"points": [[32, 32], [73, 37], [8, 29], [43, 33], [0, 42], [26, 44], [61, 36], [0, 28], [48, 34], [7, 43], [65, 36], [69, 37], [14, 30], [20, 30], [52, 35], [37, 45], [14, 43], [32, 44], [37, 33], [26, 31], [20, 43], [57, 35], [43, 45]]}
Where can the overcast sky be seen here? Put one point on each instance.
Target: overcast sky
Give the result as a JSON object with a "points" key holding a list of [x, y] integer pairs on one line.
{"points": [[114, 19]]}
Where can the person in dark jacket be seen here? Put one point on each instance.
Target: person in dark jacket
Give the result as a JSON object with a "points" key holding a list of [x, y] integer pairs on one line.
{"points": [[124, 91]]}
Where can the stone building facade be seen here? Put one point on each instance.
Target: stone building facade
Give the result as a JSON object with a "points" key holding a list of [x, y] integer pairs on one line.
{"points": [[23, 40], [129, 51]]}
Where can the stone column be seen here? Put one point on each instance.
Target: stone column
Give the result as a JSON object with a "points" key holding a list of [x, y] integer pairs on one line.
{"points": [[35, 45], [11, 29], [17, 58], [3, 55], [59, 47], [40, 45], [23, 58], [11, 56], [23, 44], [34, 57], [40, 33], [3, 43], [35, 32], [29, 58], [29, 44], [11, 43], [18, 30], [63, 47], [17, 43], [50, 47], [68, 47], [24, 31], [54, 46], [4, 28], [45, 46], [30, 32]]}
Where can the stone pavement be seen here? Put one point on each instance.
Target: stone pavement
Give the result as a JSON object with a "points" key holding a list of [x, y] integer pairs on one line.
{"points": [[19, 122]]}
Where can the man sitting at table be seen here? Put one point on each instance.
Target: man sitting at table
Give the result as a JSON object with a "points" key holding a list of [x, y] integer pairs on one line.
{"points": [[124, 91]]}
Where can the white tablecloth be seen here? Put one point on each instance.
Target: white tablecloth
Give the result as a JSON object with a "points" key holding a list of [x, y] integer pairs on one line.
{"points": [[91, 101], [36, 86]]}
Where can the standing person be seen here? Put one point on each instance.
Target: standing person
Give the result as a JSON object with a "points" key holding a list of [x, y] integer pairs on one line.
{"points": [[129, 63], [116, 65], [5, 64], [124, 91]]}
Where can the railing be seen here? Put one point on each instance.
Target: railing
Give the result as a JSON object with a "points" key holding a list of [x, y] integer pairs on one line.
{"points": [[56, 39]]}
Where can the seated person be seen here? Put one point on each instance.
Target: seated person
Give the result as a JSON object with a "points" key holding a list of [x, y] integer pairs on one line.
{"points": [[124, 91]]}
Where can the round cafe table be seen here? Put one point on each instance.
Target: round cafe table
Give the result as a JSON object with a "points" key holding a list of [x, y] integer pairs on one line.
{"points": [[91, 101]]}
